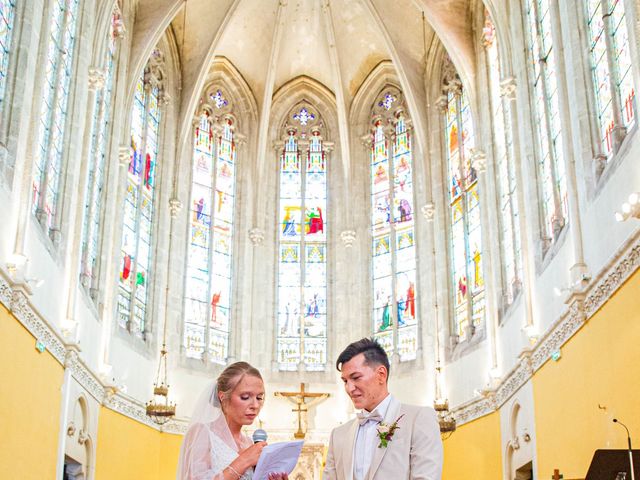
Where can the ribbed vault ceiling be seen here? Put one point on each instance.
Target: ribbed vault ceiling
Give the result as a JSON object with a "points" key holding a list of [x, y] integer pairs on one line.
{"points": [[336, 42]]}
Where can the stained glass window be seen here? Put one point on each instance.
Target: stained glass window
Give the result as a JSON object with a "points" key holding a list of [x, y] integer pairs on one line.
{"points": [[611, 69], [53, 111], [136, 250], [393, 231], [209, 257], [546, 106], [467, 275], [100, 127], [302, 246], [7, 12], [505, 168]]}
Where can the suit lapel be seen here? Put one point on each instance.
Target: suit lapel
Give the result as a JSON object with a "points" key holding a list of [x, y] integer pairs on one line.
{"points": [[392, 414], [347, 452]]}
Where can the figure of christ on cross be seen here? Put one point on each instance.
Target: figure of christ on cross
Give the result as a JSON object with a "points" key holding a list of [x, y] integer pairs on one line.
{"points": [[299, 399]]}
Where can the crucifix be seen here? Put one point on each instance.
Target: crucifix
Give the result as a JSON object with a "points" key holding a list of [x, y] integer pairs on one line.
{"points": [[557, 475], [298, 399]]}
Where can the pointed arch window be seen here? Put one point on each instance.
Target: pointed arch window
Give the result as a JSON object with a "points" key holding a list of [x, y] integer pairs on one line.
{"points": [[467, 275], [301, 337], [510, 247], [210, 254], [136, 257], [546, 106], [395, 317], [611, 71], [53, 114], [100, 131], [7, 14]]}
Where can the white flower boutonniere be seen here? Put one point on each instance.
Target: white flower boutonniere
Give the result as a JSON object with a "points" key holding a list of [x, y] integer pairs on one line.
{"points": [[386, 431]]}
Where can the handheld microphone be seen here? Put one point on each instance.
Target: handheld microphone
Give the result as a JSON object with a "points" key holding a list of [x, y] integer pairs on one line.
{"points": [[615, 420], [259, 436]]}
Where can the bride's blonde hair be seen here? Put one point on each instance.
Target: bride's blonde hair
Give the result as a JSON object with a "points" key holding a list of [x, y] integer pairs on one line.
{"points": [[233, 375]]}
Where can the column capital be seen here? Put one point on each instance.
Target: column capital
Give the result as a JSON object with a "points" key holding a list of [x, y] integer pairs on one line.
{"points": [[348, 237], [124, 155], [429, 211], [96, 79], [479, 160], [175, 205], [508, 87], [256, 235]]}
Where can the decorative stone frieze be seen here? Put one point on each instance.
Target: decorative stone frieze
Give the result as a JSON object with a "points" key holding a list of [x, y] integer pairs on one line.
{"points": [[603, 290], [580, 308], [25, 314]]}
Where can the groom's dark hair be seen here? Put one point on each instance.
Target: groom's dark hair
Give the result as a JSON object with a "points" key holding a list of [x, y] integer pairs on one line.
{"points": [[373, 352]]}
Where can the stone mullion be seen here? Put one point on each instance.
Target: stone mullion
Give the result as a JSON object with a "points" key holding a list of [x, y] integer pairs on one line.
{"points": [[557, 203], [134, 270], [464, 200], [303, 155], [619, 129], [392, 241], [94, 154], [44, 182], [216, 130]]}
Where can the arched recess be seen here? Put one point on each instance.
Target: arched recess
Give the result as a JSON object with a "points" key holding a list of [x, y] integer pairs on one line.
{"points": [[226, 99], [225, 75], [320, 101], [78, 446], [500, 15], [448, 20], [105, 11]]}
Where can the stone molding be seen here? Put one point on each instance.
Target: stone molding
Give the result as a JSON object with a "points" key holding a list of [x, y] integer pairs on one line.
{"points": [[581, 306]]}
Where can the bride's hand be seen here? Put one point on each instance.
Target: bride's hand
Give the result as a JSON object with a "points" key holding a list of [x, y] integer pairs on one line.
{"points": [[278, 476], [249, 456]]}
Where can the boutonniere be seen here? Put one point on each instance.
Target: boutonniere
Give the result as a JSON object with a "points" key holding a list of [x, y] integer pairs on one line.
{"points": [[386, 431]]}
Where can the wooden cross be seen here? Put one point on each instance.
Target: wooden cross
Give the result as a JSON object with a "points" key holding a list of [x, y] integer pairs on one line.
{"points": [[557, 475], [298, 399]]}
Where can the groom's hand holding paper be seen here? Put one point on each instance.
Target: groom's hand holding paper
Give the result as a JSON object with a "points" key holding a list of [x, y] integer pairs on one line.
{"points": [[277, 457]]}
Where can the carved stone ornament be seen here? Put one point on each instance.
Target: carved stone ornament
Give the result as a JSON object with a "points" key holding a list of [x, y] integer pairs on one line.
{"points": [[175, 206], [429, 211], [508, 88], [442, 103], [97, 79], [478, 160], [348, 237], [256, 235], [124, 155]]}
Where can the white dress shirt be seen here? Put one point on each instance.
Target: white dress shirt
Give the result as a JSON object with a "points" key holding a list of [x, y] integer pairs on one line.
{"points": [[366, 442]]}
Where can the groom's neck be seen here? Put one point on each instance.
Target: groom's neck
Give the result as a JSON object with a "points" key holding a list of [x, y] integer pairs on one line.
{"points": [[378, 402]]}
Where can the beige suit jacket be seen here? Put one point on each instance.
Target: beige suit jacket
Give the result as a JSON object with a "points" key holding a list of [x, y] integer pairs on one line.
{"points": [[414, 452]]}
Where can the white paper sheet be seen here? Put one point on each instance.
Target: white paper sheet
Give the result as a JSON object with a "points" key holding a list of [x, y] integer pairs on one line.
{"points": [[277, 457]]}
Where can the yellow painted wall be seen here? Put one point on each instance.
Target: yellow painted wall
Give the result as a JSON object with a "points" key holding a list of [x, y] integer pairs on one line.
{"points": [[127, 449], [30, 395], [473, 451], [599, 365]]}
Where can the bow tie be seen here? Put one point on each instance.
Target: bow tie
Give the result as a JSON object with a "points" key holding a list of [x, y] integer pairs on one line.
{"points": [[364, 417]]}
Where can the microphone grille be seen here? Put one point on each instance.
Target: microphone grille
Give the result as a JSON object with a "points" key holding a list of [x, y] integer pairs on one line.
{"points": [[259, 436]]}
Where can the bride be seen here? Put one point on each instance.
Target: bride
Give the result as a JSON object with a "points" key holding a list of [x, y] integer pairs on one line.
{"points": [[214, 447]]}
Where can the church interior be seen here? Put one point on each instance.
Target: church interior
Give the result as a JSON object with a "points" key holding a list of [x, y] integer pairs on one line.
{"points": [[189, 183]]}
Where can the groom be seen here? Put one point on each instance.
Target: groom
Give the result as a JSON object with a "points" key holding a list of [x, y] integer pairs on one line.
{"points": [[388, 439]]}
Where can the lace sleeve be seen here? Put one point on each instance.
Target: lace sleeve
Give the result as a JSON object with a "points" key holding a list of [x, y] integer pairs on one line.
{"points": [[197, 456]]}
